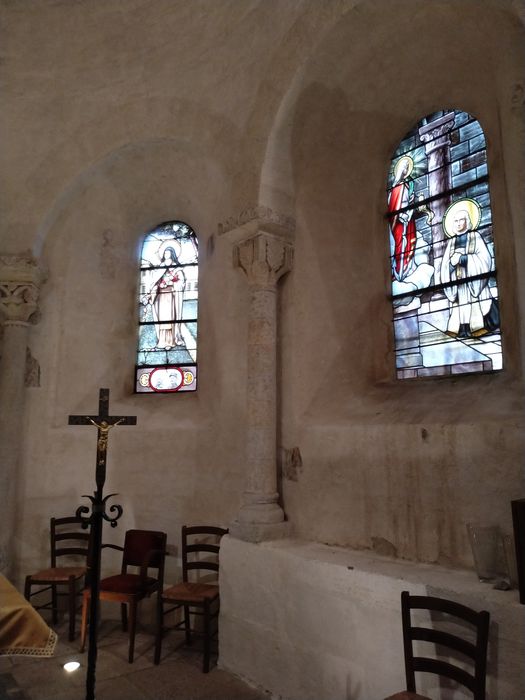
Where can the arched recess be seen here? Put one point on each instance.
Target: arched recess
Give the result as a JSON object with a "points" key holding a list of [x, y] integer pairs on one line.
{"points": [[338, 123], [91, 240], [267, 134]]}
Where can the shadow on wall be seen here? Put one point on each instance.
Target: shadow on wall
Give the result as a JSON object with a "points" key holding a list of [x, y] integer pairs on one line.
{"points": [[338, 170]]}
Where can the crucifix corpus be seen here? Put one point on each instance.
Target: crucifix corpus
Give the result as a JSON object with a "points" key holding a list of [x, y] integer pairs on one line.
{"points": [[104, 423]]}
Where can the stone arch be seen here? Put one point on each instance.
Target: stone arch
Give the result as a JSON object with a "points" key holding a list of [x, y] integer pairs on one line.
{"points": [[335, 56]]}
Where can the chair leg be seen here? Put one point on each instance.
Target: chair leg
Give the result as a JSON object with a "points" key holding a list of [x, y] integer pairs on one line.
{"points": [[158, 630], [132, 627], [54, 603], [124, 616], [72, 610], [207, 635], [83, 625], [27, 588], [187, 624]]}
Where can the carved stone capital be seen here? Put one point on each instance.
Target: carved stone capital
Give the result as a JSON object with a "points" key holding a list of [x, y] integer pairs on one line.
{"points": [[436, 134], [264, 258], [20, 280], [250, 219]]}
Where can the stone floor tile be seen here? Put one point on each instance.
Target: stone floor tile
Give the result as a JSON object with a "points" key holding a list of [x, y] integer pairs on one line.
{"points": [[9, 689], [178, 677], [6, 664], [40, 672], [121, 689], [53, 691]]}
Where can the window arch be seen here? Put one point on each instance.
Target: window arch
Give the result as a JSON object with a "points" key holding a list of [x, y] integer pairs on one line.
{"points": [[442, 260], [168, 299]]}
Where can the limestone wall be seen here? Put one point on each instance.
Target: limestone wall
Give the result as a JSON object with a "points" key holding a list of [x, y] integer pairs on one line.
{"points": [[396, 466], [126, 114], [310, 622]]}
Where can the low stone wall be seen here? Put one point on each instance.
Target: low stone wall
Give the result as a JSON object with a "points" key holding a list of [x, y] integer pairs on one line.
{"points": [[311, 622]]}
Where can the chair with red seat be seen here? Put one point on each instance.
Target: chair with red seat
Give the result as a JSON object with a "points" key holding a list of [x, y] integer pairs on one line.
{"points": [[68, 539], [145, 549], [473, 651], [199, 598]]}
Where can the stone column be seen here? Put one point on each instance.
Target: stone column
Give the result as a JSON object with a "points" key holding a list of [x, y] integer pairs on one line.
{"points": [[436, 137], [264, 258], [19, 285]]}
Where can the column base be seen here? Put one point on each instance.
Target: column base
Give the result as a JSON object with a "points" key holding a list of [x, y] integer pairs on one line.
{"points": [[260, 532]]}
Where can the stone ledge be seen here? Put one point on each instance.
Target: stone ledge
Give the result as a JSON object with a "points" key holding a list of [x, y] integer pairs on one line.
{"points": [[259, 532], [308, 621], [364, 563]]}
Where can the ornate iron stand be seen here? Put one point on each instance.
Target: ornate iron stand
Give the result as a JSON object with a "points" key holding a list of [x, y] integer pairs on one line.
{"points": [[104, 423]]}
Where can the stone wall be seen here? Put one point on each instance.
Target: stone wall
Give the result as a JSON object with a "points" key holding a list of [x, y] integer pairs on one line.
{"points": [[311, 622], [121, 119]]}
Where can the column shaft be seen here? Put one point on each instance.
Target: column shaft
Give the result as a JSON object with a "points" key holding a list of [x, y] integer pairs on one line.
{"points": [[264, 258], [20, 278], [262, 390], [436, 137], [12, 371]]}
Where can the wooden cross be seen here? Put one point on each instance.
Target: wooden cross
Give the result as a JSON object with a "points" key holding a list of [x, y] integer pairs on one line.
{"points": [[103, 422]]}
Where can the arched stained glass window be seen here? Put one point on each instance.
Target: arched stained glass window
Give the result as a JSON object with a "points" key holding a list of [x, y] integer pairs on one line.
{"points": [[167, 343], [442, 260]]}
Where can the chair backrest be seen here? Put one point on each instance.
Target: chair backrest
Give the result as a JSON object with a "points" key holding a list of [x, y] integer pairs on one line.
{"points": [[475, 651], [138, 544], [68, 538], [199, 539]]}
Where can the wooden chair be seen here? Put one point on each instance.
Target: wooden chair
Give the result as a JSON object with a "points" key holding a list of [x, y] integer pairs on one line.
{"points": [[200, 598], [473, 651], [142, 548], [68, 539]]}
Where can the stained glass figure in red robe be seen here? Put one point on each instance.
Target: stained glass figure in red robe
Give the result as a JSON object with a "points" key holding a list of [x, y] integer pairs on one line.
{"points": [[402, 224]]}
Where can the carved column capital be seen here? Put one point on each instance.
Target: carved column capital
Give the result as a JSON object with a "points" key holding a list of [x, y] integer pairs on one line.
{"points": [[20, 280], [436, 134], [264, 258]]}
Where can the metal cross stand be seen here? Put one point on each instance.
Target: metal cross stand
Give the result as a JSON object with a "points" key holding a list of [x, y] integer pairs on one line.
{"points": [[104, 423]]}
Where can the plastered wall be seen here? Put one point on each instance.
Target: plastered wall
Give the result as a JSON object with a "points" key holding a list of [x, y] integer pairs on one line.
{"points": [[126, 114], [398, 467]]}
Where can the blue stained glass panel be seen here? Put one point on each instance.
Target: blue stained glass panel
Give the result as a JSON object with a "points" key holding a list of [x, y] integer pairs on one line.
{"points": [[167, 310], [442, 260]]}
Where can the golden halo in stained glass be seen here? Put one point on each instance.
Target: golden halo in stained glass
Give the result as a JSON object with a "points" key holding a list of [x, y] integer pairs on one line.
{"points": [[399, 166], [470, 206]]}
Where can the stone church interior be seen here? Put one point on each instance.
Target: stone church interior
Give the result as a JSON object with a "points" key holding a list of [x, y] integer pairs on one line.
{"points": [[286, 236]]}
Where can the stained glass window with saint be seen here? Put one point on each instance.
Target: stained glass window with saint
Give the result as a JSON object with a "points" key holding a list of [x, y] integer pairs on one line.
{"points": [[442, 260], [167, 303]]}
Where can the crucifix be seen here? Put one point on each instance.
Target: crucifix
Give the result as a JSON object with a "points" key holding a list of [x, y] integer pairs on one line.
{"points": [[104, 423]]}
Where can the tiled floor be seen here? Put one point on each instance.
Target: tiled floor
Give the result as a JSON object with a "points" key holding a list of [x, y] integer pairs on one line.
{"points": [[177, 677]]}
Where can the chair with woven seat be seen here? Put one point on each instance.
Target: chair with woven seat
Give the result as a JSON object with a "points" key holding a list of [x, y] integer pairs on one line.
{"points": [[145, 549], [68, 539], [473, 651], [198, 598]]}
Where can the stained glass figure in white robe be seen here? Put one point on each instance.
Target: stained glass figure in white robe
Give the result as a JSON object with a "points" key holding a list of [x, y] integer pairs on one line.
{"points": [[466, 255]]}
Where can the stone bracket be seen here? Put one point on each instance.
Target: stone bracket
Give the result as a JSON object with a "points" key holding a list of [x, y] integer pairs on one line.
{"points": [[20, 280], [264, 258]]}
